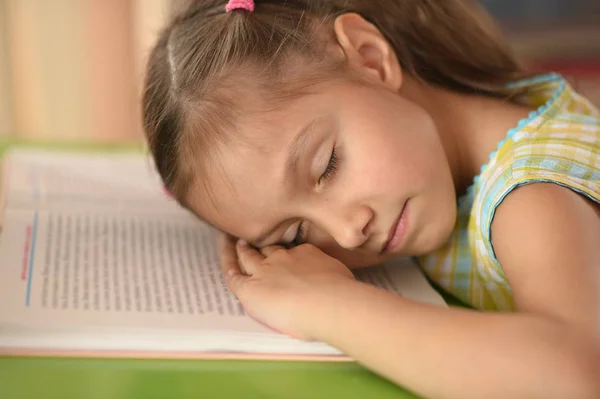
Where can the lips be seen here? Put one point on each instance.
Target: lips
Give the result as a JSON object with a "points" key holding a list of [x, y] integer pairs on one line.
{"points": [[397, 231]]}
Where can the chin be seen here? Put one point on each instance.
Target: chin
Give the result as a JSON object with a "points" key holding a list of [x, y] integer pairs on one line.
{"points": [[436, 237], [433, 236]]}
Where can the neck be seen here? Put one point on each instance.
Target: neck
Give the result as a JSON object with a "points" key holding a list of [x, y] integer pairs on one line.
{"points": [[470, 126]]}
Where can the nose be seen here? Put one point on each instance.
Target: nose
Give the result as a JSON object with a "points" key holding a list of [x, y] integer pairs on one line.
{"points": [[349, 227]]}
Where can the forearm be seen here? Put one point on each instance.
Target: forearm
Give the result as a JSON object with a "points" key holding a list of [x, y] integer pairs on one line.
{"points": [[453, 353]]}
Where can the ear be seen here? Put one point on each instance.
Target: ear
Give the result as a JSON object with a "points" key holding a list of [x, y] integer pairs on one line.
{"points": [[367, 50]]}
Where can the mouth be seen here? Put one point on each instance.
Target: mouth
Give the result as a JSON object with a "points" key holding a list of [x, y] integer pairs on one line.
{"points": [[397, 231]]}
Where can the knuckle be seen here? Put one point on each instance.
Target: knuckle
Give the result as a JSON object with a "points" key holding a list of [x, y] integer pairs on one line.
{"points": [[273, 251], [279, 251], [306, 248], [233, 284]]}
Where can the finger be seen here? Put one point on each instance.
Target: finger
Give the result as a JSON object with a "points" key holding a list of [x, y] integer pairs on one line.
{"points": [[268, 251], [236, 282], [229, 262], [249, 259], [228, 254], [227, 251]]}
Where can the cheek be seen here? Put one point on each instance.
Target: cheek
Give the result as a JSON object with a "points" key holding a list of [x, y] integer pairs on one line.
{"points": [[413, 159], [382, 164], [396, 151]]}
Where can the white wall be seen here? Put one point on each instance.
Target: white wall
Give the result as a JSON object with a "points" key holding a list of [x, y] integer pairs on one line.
{"points": [[6, 113], [72, 68]]}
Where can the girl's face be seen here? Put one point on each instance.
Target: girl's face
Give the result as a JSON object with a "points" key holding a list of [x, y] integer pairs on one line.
{"points": [[358, 171]]}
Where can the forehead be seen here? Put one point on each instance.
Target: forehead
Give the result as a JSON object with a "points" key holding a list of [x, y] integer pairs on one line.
{"points": [[241, 186]]}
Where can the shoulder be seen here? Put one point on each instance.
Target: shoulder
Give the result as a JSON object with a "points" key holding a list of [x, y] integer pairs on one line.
{"points": [[546, 238], [564, 153], [538, 214]]}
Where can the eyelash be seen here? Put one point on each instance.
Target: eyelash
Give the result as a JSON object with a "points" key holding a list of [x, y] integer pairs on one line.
{"points": [[332, 167], [299, 238]]}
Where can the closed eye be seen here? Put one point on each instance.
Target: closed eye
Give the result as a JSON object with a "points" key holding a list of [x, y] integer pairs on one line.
{"points": [[300, 235], [332, 167]]}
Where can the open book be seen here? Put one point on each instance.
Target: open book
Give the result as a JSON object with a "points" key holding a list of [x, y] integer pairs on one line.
{"points": [[96, 260]]}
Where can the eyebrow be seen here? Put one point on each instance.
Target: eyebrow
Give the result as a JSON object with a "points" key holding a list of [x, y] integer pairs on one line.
{"points": [[296, 148]]}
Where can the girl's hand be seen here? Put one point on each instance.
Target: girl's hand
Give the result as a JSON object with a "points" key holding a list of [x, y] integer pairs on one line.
{"points": [[279, 287]]}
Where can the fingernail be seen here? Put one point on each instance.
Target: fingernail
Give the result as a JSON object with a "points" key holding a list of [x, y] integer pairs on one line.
{"points": [[242, 243]]}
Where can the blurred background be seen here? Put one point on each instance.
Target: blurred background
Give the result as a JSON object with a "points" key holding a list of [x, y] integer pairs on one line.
{"points": [[72, 69]]}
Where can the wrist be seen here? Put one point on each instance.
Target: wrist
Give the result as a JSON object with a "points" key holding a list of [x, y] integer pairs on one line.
{"points": [[325, 310]]}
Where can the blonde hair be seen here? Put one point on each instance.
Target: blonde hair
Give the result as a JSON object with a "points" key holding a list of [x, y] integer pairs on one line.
{"points": [[190, 87]]}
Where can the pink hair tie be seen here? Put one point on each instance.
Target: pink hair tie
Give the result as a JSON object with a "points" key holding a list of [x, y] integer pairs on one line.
{"points": [[247, 5]]}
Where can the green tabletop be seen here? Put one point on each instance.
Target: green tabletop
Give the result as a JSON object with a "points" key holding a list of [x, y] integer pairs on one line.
{"points": [[49, 378], [146, 379]]}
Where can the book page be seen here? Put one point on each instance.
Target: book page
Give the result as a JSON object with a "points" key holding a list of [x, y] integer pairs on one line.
{"points": [[46, 179], [88, 268], [402, 276]]}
